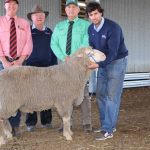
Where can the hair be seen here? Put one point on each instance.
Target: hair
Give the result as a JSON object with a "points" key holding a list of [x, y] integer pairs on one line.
{"points": [[92, 6]]}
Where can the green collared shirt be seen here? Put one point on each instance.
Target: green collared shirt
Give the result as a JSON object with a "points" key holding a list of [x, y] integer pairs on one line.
{"points": [[79, 37]]}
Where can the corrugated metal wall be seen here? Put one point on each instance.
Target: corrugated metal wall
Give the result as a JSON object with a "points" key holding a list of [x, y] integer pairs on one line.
{"points": [[53, 6], [132, 15], [134, 18]]}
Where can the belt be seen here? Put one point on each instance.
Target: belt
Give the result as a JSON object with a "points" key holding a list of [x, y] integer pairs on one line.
{"points": [[11, 59]]}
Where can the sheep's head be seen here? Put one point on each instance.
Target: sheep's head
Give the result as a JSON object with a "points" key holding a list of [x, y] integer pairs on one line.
{"points": [[93, 55]]}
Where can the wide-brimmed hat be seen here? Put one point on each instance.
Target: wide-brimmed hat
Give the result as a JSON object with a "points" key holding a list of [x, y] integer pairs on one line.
{"points": [[36, 9], [68, 2], [7, 1]]}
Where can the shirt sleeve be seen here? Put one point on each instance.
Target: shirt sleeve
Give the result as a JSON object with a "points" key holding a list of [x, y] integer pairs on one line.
{"points": [[27, 49], [55, 44]]}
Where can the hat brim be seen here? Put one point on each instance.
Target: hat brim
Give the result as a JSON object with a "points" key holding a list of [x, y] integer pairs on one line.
{"points": [[71, 3], [29, 14]]}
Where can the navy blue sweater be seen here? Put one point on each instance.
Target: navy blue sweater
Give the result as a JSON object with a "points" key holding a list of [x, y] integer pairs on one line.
{"points": [[109, 40], [42, 55]]}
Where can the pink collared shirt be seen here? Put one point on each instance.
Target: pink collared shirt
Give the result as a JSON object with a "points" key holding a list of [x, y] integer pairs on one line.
{"points": [[24, 38]]}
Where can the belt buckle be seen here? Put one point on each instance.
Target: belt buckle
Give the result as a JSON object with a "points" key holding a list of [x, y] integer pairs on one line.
{"points": [[11, 59]]}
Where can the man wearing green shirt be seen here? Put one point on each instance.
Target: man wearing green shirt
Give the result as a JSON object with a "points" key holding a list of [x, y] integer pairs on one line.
{"points": [[79, 38]]}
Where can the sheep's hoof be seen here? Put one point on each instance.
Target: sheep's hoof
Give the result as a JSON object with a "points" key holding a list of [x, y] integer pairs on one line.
{"points": [[68, 137], [71, 133], [9, 136], [2, 141]]}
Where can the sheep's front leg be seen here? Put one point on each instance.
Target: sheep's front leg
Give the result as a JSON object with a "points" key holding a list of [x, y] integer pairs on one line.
{"points": [[2, 136], [2, 140], [7, 130], [66, 128]]}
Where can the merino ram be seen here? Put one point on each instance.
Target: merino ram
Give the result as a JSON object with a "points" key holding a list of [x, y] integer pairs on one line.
{"points": [[35, 89]]}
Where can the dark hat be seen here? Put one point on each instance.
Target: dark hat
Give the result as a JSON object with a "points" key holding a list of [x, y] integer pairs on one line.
{"points": [[68, 2], [7, 1], [36, 9]]}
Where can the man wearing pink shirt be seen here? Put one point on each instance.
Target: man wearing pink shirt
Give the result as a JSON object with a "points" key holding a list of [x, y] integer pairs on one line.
{"points": [[23, 44]]}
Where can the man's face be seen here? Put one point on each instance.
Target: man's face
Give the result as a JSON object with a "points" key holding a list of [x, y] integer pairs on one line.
{"points": [[38, 19], [72, 11], [11, 8], [95, 16]]}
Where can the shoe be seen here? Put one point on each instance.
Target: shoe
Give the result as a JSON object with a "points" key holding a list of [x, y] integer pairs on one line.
{"points": [[92, 96], [48, 125], [99, 130], [87, 128], [103, 136], [30, 128]]}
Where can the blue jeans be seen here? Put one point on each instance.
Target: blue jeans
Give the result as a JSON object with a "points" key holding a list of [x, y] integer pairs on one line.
{"points": [[93, 82], [109, 89], [14, 121]]}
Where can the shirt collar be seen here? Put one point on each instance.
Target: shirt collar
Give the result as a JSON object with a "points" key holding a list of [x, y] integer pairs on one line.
{"points": [[100, 25], [34, 27], [8, 17], [75, 20]]}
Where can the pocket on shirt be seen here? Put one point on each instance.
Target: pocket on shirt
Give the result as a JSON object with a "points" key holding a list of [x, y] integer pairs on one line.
{"points": [[62, 32], [21, 36]]}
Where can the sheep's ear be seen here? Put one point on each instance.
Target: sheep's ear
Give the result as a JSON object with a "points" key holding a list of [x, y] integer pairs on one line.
{"points": [[88, 50], [80, 55]]}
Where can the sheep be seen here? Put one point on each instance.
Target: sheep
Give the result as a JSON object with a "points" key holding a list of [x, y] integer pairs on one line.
{"points": [[29, 89]]}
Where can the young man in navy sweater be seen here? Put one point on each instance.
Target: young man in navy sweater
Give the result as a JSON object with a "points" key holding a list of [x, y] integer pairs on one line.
{"points": [[41, 56], [106, 36]]}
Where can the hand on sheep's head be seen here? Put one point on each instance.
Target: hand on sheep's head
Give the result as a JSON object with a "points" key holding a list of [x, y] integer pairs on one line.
{"points": [[95, 56], [92, 65]]}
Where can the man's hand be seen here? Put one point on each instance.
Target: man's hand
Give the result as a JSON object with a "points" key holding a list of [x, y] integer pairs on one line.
{"points": [[19, 61], [7, 64], [92, 65], [67, 58]]}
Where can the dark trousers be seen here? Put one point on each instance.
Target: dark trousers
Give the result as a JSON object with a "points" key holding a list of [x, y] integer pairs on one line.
{"points": [[45, 115], [15, 121], [46, 118]]}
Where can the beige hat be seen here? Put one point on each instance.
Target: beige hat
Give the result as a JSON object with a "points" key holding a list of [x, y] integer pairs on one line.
{"points": [[36, 9]]}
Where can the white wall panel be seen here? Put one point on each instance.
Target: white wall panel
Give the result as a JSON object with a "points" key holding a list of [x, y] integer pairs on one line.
{"points": [[134, 18]]}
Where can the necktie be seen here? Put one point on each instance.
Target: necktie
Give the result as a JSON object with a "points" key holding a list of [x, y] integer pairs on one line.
{"points": [[69, 38], [13, 39]]}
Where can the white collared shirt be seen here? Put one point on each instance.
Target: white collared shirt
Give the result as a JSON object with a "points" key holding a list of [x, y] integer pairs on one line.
{"points": [[100, 25], [34, 27]]}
